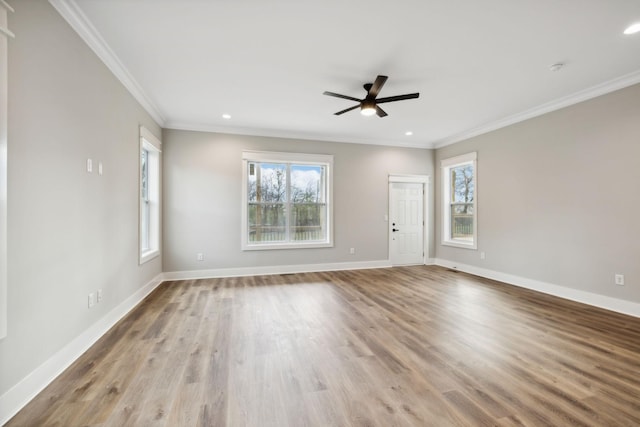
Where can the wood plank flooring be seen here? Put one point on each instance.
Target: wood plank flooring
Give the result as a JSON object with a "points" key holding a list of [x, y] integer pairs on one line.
{"points": [[410, 346]]}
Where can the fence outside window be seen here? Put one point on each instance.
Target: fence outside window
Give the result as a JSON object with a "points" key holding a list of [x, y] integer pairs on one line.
{"points": [[461, 220]]}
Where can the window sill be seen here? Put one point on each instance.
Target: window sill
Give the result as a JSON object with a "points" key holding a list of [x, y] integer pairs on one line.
{"points": [[148, 256], [276, 246], [460, 244]]}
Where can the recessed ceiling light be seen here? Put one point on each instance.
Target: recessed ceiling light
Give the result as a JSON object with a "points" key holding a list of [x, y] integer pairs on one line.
{"points": [[632, 29], [408, 133], [226, 116], [557, 66]]}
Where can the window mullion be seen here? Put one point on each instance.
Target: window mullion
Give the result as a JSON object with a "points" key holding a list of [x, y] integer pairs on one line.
{"points": [[288, 203]]}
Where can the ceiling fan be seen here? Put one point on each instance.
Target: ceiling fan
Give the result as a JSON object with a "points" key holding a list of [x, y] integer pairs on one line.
{"points": [[369, 105]]}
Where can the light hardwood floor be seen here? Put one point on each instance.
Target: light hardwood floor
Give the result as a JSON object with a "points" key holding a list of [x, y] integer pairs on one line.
{"points": [[410, 346]]}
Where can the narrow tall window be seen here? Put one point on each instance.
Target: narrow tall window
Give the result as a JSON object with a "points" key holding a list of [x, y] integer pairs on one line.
{"points": [[286, 201], [149, 195], [459, 201]]}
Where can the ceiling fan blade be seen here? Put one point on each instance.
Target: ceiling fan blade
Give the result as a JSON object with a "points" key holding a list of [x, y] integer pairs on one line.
{"points": [[380, 112], [347, 110], [397, 98], [377, 85], [337, 95]]}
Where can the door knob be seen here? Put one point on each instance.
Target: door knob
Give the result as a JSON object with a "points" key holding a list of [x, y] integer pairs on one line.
{"points": [[394, 229]]}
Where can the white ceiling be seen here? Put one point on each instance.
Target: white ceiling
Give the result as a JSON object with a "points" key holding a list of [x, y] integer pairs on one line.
{"points": [[478, 65]]}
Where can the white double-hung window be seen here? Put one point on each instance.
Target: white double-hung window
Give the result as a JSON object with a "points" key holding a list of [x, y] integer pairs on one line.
{"points": [[286, 200], [150, 150], [459, 201]]}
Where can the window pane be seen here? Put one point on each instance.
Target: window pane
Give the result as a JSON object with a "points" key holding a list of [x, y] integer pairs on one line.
{"points": [[267, 182], [308, 212], [145, 226], [267, 222], [144, 178], [462, 197], [462, 185], [462, 221], [307, 184], [308, 222], [145, 220]]}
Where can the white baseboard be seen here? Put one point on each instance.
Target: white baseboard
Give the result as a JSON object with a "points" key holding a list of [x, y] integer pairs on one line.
{"points": [[20, 394], [268, 270], [608, 303]]}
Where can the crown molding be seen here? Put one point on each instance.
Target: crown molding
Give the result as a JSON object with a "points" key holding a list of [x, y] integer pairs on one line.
{"points": [[74, 16], [575, 98], [281, 133]]}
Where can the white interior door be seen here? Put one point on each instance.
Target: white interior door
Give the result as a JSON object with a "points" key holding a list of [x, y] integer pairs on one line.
{"points": [[406, 223]]}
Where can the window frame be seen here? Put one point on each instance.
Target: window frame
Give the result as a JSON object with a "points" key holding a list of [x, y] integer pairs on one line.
{"points": [[446, 165], [149, 218], [324, 160]]}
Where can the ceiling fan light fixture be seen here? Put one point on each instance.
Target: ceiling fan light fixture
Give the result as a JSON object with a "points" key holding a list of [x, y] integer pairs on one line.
{"points": [[368, 108]]}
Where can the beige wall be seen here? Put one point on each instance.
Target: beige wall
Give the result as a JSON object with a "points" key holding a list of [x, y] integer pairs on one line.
{"points": [[557, 197], [69, 232], [202, 199]]}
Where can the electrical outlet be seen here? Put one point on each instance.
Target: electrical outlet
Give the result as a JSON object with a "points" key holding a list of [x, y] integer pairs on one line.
{"points": [[352, 251], [99, 296], [200, 256], [482, 255], [619, 278], [92, 299]]}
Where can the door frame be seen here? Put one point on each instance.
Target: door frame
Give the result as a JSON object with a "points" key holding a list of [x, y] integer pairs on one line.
{"points": [[425, 180]]}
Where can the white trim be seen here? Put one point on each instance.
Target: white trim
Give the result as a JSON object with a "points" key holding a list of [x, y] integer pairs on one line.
{"points": [[398, 177], [457, 243], [148, 256], [276, 246], [566, 101], [276, 269], [74, 16], [463, 158], [445, 167], [325, 160], [147, 135], [276, 157], [20, 394], [152, 145], [608, 303]]}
